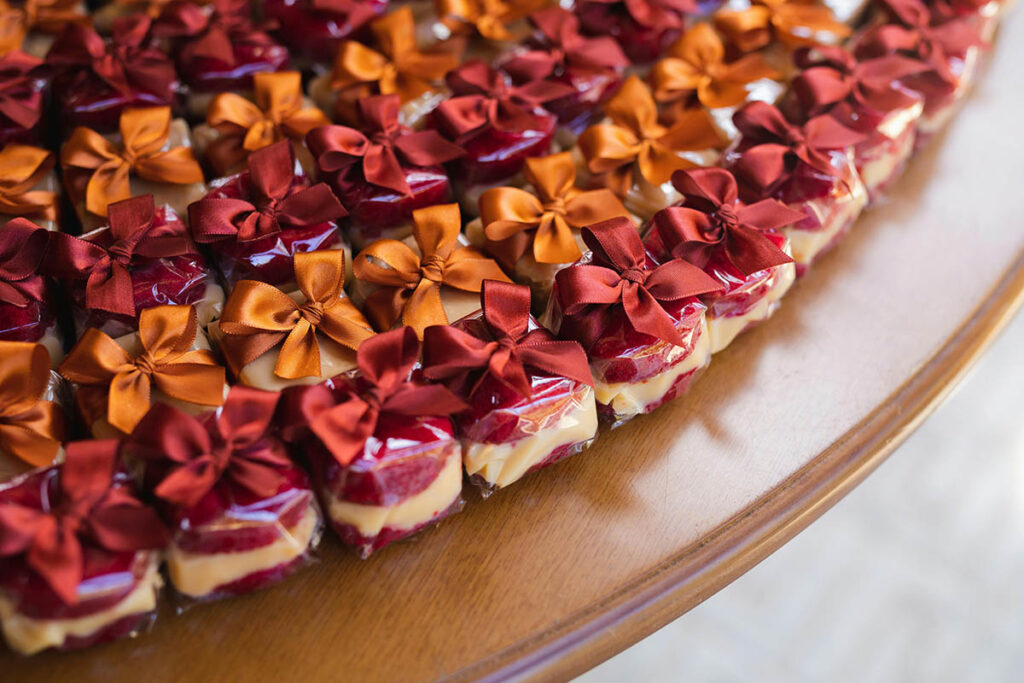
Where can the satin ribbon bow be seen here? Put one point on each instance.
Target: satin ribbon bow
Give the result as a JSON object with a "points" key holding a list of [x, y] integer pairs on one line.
{"points": [[833, 77], [489, 18], [31, 427], [485, 97], [92, 507], [514, 218], [126, 63], [711, 218], [397, 66], [506, 348], [621, 279], [211, 33], [23, 246], [564, 47], [257, 317], [695, 67], [344, 423], [244, 126], [380, 150], [794, 23], [276, 202], [21, 168], [45, 16], [777, 146], [166, 361], [106, 261], [144, 134], [186, 457], [635, 143], [410, 283], [656, 13], [20, 88]]}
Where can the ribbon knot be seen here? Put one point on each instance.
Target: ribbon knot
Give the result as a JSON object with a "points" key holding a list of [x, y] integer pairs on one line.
{"points": [[31, 427], [313, 312], [634, 274]]}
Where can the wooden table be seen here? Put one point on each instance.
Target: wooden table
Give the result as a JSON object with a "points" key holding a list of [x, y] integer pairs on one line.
{"points": [[578, 562]]}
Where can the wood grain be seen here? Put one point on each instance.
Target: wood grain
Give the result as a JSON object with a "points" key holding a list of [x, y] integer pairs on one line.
{"points": [[579, 561]]}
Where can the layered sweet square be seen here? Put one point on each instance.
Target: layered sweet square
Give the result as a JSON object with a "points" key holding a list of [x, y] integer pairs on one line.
{"points": [[24, 84], [242, 515], [27, 313], [31, 409], [101, 580], [313, 29], [384, 456]]}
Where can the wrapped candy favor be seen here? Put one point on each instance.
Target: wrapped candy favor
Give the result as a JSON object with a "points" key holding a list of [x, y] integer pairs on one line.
{"points": [[27, 313], [32, 421], [643, 28], [313, 29]]}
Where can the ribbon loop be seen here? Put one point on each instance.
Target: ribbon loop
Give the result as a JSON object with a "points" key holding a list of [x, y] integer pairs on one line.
{"points": [[31, 427]]}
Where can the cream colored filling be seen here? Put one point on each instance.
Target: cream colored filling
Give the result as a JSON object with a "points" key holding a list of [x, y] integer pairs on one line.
{"points": [[807, 244], [506, 463], [370, 520], [28, 636], [722, 331], [197, 574]]}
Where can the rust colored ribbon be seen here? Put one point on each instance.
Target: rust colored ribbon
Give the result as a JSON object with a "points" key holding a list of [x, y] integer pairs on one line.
{"points": [[485, 98], [509, 346], [257, 317], [397, 66], [794, 23], [276, 202], [186, 457], [382, 149], [563, 47], [634, 142], [409, 283], [106, 261], [211, 33], [344, 423], [711, 218], [489, 18], [21, 168], [31, 428], [124, 64], [656, 13], [23, 246], [19, 88], [619, 279], [144, 134], [166, 361], [695, 68], [45, 16], [91, 507], [777, 146], [245, 126], [516, 220]]}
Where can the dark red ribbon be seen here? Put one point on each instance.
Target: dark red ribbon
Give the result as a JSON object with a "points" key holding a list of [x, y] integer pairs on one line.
{"points": [[343, 423], [23, 246], [566, 47], [463, 360], [89, 508], [620, 279], [19, 73], [712, 218], [773, 146], [656, 13], [211, 33], [276, 203], [106, 262], [380, 151], [186, 457]]}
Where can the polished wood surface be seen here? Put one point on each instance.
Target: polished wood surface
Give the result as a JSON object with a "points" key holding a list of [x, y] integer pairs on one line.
{"points": [[579, 561]]}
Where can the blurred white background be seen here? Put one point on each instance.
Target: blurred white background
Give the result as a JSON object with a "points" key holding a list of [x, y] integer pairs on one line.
{"points": [[917, 575]]}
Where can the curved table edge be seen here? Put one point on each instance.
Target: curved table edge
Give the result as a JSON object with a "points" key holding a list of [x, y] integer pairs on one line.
{"points": [[658, 597]]}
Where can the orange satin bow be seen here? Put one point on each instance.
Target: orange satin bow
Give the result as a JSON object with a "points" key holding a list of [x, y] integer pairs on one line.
{"points": [[46, 16], [488, 17], [695, 65], [257, 317], [553, 215], [167, 360], [144, 133], [794, 23], [21, 168], [31, 427], [410, 283], [399, 67], [635, 142], [244, 126]]}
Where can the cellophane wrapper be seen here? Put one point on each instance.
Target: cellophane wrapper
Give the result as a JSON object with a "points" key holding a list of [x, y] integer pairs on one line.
{"points": [[891, 138], [34, 322]]}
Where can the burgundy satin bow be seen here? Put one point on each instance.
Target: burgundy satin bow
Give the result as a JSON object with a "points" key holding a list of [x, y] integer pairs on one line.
{"points": [[656, 13], [385, 362], [381, 151], [106, 261], [210, 33], [18, 88], [712, 218], [275, 203], [91, 507], [564, 47], [773, 146], [186, 457], [620, 278], [485, 97], [506, 347], [123, 64], [23, 246]]}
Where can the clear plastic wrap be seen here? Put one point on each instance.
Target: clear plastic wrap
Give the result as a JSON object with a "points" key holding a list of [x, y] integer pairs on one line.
{"points": [[314, 34], [34, 322]]}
